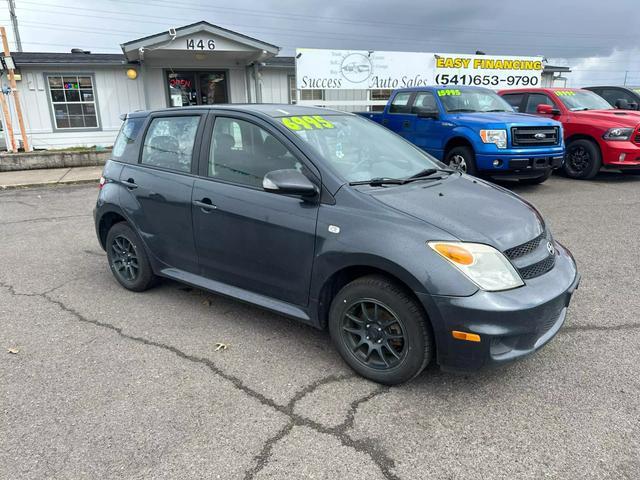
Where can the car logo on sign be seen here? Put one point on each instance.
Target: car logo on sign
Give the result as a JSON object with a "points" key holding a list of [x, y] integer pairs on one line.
{"points": [[540, 136], [551, 248]]}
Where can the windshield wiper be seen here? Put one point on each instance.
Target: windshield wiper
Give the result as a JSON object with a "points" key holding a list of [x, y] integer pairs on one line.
{"points": [[495, 110], [379, 181], [457, 110]]}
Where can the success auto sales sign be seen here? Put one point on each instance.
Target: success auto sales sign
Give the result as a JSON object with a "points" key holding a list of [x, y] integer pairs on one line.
{"points": [[368, 70]]}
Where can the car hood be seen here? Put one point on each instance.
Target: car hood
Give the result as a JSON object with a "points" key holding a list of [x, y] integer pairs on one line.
{"points": [[503, 118], [468, 208], [615, 117]]}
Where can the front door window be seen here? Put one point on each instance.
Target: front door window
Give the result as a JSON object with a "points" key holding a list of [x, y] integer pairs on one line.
{"points": [[196, 88]]}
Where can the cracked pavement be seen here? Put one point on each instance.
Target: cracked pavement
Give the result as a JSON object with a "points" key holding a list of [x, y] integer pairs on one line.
{"points": [[113, 384]]}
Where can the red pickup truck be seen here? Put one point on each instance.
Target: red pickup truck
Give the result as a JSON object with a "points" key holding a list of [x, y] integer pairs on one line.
{"points": [[596, 134]]}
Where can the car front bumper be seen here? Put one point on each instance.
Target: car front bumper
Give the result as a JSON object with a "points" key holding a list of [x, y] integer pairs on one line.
{"points": [[511, 324], [523, 165], [620, 155]]}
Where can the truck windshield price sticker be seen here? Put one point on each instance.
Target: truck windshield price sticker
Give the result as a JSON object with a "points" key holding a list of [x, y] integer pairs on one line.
{"points": [[565, 93], [307, 122], [200, 44], [447, 92]]}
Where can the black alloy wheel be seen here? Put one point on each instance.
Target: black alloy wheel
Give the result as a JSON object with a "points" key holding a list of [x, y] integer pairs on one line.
{"points": [[381, 330], [124, 259], [583, 159], [128, 259], [374, 334]]}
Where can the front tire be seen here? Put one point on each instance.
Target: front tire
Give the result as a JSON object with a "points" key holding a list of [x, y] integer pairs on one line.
{"points": [[127, 258], [380, 330], [462, 159], [583, 159]]}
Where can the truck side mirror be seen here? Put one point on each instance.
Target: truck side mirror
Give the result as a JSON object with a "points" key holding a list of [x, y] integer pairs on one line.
{"points": [[545, 109], [422, 112], [622, 104]]}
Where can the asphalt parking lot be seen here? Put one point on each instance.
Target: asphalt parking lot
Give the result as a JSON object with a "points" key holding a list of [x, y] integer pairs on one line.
{"points": [[106, 383]]}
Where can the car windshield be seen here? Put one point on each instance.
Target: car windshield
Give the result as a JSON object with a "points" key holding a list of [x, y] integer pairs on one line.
{"points": [[576, 100], [456, 100], [359, 149]]}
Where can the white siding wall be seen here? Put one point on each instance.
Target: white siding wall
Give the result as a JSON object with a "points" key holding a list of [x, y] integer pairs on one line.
{"points": [[115, 94], [275, 85]]}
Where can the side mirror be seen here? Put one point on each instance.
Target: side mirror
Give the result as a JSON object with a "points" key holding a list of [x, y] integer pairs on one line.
{"points": [[422, 112], [633, 106], [545, 109], [289, 182], [622, 104]]}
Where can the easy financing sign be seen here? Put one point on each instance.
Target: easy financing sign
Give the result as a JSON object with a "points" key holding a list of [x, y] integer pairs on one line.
{"points": [[363, 70]]}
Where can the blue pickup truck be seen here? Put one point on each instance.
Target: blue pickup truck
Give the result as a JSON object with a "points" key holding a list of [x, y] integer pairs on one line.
{"points": [[475, 130]]}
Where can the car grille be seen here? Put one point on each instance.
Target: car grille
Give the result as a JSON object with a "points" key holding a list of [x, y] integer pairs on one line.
{"points": [[531, 136], [534, 248], [525, 248], [539, 268]]}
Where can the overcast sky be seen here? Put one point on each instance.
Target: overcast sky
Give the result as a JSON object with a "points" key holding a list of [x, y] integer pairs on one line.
{"points": [[599, 40]]}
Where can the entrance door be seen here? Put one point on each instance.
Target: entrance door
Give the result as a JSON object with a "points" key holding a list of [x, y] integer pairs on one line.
{"points": [[188, 88]]}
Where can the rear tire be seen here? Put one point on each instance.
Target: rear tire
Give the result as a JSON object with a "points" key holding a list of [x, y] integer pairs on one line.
{"points": [[462, 158], [380, 330], [127, 258], [537, 180], [583, 159]]}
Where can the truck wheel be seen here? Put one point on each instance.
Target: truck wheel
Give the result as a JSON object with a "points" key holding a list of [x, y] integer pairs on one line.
{"points": [[583, 159], [537, 180], [380, 330], [127, 258], [462, 158]]}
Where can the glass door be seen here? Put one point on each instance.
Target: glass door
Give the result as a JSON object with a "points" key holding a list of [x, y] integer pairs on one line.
{"points": [[213, 88], [197, 88]]}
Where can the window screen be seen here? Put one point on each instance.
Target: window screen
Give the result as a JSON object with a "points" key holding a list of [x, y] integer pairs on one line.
{"points": [[169, 142], [73, 101]]}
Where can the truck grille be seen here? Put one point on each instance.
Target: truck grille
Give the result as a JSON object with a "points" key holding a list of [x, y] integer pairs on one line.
{"points": [[535, 248], [531, 136]]}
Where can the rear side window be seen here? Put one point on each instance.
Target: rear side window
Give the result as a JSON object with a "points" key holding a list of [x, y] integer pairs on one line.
{"points": [[124, 146], [612, 95], [400, 103], [169, 142], [536, 99], [514, 99]]}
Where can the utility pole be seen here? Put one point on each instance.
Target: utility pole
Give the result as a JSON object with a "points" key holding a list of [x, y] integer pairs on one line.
{"points": [[14, 23], [14, 90]]}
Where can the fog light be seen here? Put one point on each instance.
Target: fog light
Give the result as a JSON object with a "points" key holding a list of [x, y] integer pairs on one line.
{"points": [[497, 163], [469, 337], [622, 157]]}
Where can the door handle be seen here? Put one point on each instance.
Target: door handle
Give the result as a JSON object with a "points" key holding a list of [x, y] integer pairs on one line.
{"points": [[385, 121], [205, 205], [406, 124], [129, 183]]}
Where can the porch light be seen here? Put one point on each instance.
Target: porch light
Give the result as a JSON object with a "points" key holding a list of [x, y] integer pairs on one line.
{"points": [[132, 74]]}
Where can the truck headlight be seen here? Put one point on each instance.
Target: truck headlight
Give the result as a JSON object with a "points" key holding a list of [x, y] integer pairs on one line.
{"points": [[618, 133], [483, 265], [499, 137]]}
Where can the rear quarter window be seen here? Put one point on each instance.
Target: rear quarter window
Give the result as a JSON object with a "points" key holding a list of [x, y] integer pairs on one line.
{"points": [[124, 148]]}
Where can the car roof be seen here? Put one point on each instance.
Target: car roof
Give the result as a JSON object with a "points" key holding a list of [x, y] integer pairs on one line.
{"points": [[538, 89], [439, 87], [274, 110]]}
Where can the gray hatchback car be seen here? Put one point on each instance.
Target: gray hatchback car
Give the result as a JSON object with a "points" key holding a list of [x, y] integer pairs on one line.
{"points": [[331, 219]]}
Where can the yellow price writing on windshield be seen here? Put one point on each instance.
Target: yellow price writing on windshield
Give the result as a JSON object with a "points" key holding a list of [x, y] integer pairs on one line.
{"points": [[306, 122], [448, 91], [566, 93]]}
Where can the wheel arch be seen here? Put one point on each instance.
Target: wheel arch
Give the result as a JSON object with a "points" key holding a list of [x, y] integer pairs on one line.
{"points": [[583, 136], [107, 220], [345, 274], [457, 141]]}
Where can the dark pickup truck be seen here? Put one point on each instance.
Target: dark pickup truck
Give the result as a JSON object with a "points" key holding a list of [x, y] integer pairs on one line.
{"points": [[474, 130]]}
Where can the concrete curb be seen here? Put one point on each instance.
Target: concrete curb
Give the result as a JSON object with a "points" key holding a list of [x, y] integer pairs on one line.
{"points": [[49, 184]]}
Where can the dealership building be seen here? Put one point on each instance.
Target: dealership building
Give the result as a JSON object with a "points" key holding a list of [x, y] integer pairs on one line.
{"points": [[77, 98]]}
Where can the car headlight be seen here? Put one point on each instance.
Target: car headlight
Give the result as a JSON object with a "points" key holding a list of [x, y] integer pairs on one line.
{"points": [[499, 137], [618, 134], [483, 265]]}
